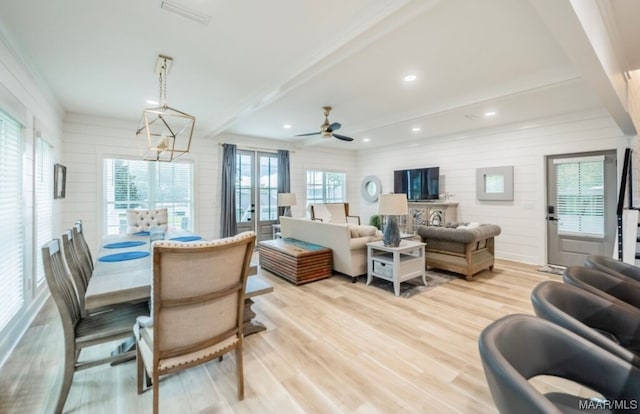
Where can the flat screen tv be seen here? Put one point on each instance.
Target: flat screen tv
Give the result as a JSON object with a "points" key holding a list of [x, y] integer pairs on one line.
{"points": [[419, 184]]}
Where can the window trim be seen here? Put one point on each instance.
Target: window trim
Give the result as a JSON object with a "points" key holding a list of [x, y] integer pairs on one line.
{"points": [[324, 189], [102, 187]]}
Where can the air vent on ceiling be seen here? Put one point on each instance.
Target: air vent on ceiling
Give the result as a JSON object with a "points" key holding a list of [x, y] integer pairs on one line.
{"points": [[185, 12]]}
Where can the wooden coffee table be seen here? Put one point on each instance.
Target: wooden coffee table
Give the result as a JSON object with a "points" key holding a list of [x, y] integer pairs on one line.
{"points": [[297, 261]]}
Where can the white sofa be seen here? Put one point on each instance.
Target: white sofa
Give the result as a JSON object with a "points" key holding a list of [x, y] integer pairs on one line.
{"points": [[347, 242]]}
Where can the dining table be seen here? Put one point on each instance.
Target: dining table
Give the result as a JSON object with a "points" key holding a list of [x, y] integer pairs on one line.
{"points": [[123, 273]]}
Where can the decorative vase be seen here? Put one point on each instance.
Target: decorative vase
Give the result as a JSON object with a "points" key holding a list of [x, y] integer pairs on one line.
{"points": [[391, 235]]}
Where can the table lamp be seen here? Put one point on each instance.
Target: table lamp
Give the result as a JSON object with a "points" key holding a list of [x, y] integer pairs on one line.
{"points": [[392, 205], [286, 200]]}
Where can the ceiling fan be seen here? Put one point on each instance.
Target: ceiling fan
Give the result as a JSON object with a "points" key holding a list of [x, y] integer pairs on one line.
{"points": [[326, 129]]}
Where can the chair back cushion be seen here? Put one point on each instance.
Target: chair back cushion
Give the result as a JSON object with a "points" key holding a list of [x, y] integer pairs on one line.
{"points": [[143, 220], [329, 212], [198, 292]]}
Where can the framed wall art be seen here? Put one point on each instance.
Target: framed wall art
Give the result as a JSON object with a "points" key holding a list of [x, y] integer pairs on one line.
{"points": [[59, 181], [494, 183]]}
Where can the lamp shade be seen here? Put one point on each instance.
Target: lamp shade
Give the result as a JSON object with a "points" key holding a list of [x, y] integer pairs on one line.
{"points": [[393, 205], [286, 199]]}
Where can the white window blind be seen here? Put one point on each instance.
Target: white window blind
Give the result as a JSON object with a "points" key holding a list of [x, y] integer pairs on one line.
{"points": [[580, 196], [326, 186], [11, 236], [43, 201], [148, 185]]}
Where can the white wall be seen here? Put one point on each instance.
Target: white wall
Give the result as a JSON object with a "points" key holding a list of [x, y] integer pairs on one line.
{"points": [[25, 99], [89, 139], [524, 147]]}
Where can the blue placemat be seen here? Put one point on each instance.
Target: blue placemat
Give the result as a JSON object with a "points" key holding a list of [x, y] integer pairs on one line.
{"points": [[124, 244], [119, 257], [186, 238], [142, 233]]}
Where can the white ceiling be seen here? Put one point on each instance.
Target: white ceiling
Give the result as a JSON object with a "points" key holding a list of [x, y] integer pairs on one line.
{"points": [[258, 65]]}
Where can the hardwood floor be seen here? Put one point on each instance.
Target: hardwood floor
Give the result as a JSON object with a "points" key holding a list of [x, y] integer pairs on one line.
{"points": [[330, 346]]}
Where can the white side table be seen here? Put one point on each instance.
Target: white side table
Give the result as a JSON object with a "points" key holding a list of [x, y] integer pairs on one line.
{"points": [[396, 264]]}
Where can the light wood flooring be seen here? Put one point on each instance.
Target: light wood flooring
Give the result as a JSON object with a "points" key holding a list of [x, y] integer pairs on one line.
{"points": [[331, 347]]}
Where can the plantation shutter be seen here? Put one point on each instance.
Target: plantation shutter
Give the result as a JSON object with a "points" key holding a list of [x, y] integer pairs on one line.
{"points": [[43, 200], [11, 236], [580, 196]]}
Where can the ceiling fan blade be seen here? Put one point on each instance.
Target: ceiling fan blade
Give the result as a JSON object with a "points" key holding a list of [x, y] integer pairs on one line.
{"points": [[333, 127], [342, 137], [310, 133]]}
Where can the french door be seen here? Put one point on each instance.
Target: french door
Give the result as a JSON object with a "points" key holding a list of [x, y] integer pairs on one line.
{"points": [[256, 192], [581, 204]]}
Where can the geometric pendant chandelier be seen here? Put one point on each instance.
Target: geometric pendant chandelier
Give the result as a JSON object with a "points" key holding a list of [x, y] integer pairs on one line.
{"points": [[164, 133]]}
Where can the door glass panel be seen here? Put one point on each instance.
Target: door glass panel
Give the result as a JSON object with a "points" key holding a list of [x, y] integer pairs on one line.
{"points": [[268, 187], [580, 196], [244, 185]]}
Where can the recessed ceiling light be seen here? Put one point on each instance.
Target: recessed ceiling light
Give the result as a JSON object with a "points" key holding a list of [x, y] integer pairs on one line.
{"points": [[152, 102], [410, 78], [416, 129], [286, 126], [490, 113], [365, 139]]}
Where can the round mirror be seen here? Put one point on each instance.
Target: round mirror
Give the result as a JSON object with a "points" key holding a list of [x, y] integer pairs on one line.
{"points": [[371, 188]]}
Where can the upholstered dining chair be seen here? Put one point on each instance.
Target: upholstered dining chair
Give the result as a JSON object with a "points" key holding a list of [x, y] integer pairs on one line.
{"points": [[615, 267], [81, 331], [516, 348], [144, 220], [603, 284], [612, 325], [197, 308]]}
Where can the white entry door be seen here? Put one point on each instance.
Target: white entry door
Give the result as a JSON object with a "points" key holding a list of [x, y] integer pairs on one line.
{"points": [[581, 206]]}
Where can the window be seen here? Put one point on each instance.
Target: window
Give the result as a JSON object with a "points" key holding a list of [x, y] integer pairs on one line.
{"points": [[43, 201], [11, 237], [148, 185], [326, 186], [580, 195]]}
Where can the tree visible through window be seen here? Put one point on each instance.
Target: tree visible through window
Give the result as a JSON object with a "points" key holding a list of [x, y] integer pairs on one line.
{"points": [[149, 185]]}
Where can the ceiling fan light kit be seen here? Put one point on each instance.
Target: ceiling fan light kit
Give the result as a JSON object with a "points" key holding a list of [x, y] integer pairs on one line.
{"points": [[164, 133], [327, 129]]}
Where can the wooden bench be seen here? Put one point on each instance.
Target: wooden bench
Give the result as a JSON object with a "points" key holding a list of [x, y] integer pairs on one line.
{"points": [[296, 261]]}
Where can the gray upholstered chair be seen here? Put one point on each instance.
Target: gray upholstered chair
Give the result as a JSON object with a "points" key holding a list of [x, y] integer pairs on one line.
{"points": [[614, 326], [80, 331], [613, 266], [197, 307], [603, 284], [516, 348], [144, 220]]}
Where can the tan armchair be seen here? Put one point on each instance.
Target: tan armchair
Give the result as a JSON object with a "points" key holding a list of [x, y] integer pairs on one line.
{"points": [[332, 213], [197, 307], [144, 220]]}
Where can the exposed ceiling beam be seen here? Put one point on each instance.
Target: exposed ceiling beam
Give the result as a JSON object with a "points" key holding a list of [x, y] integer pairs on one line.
{"points": [[581, 32]]}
